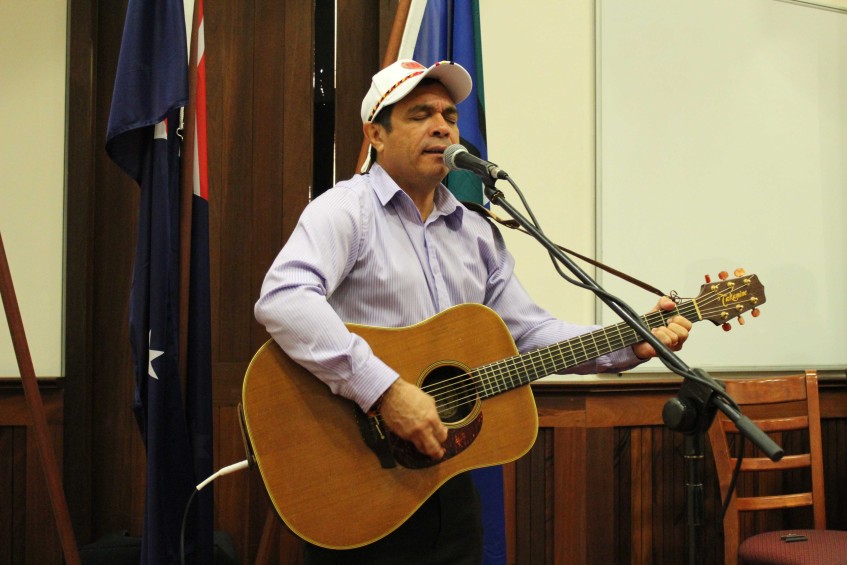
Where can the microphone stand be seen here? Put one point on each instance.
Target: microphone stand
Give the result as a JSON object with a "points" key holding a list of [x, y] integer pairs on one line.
{"points": [[690, 413]]}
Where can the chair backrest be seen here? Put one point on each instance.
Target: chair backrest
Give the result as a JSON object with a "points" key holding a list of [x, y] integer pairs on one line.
{"points": [[776, 405]]}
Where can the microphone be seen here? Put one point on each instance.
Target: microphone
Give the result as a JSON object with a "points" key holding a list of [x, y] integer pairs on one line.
{"points": [[457, 158]]}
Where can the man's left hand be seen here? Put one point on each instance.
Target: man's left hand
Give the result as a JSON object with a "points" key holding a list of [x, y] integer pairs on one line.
{"points": [[672, 336]]}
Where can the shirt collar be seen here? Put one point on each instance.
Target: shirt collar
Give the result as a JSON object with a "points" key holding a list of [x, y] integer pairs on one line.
{"points": [[445, 203]]}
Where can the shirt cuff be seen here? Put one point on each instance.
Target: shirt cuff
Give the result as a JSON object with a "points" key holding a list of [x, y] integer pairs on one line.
{"points": [[370, 383]]}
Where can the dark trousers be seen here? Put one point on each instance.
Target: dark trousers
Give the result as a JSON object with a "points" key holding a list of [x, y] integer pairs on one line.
{"points": [[446, 529]]}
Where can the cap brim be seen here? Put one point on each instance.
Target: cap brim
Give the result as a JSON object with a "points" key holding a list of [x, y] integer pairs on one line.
{"points": [[454, 77]]}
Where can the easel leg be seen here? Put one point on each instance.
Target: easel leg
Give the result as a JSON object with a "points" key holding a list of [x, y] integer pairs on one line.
{"points": [[36, 408]]}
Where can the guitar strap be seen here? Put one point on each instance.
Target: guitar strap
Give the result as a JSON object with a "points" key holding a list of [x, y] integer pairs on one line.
{"points": [[512, 224], [375, 438]]}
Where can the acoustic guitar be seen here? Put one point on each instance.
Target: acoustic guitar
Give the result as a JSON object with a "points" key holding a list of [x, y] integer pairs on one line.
{"points": [[338, 478]]}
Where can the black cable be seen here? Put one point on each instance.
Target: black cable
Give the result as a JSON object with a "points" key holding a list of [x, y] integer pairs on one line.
{"points": [[731, 491], [556, 264]]}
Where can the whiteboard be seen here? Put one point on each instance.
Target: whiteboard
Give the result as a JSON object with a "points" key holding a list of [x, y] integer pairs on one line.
{"points": [[33, 60], [722, 143]]}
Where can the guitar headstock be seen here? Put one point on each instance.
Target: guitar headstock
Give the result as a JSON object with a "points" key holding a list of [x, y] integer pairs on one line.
{"points": [[722, 301]]}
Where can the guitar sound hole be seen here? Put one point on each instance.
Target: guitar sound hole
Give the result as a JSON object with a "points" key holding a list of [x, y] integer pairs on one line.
{"points": [[454, 392]]}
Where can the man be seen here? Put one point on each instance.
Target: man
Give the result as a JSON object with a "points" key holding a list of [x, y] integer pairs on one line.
{"points": [[391, 248]]}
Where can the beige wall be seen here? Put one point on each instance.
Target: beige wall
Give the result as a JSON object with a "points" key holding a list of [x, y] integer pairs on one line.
{"points": [[32, 158], [540, 101], [539, 97]]}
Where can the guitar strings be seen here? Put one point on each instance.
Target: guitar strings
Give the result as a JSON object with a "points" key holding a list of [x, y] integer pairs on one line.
{"points": [[554, 355], [494, 372], [471, 390], [551, 353], [523, 369], [491, 376]]}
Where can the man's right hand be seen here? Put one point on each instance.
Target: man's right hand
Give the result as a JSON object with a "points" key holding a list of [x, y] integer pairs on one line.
{"points": [[411, 414]]}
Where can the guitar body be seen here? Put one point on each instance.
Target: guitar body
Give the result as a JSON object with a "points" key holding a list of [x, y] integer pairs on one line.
{"points": [[333, 489], [325, 483]]}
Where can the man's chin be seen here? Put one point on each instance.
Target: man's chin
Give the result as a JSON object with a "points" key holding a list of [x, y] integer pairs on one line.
{"points": [[442, 174]]}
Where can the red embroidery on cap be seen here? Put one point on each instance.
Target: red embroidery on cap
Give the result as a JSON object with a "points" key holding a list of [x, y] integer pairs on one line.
{"points": [[411, 65], [390, 90]]}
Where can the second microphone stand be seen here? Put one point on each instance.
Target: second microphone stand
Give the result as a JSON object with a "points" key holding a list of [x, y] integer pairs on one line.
{"points": [[698, 400]]}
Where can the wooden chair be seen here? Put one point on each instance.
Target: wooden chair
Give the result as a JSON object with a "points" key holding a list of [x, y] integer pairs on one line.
{"points": [[777, 405]]}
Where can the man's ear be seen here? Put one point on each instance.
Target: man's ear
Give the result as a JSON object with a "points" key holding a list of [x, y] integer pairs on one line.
{"points": [[375, 134]]}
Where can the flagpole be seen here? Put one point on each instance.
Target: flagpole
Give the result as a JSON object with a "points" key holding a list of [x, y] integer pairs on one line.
{"points": [[392, 49], [36, 407], [185, 206]]}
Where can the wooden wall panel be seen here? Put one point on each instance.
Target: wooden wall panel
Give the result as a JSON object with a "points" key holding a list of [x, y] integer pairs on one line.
{"points": [[12, 512], [635, 508], [575, 479], [641, 481], [231, 47], [355, 66], [570, 474], [79, 214], [834, 434], [114, 199], [600, 517], [39, 532], [28, 533], [532, 502]]}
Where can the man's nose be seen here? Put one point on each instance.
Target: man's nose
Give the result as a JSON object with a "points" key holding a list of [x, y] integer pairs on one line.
{"points": [[440, 126]]}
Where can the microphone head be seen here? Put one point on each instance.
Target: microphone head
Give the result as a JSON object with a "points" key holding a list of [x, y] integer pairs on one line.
{"points": [[450, 155]]}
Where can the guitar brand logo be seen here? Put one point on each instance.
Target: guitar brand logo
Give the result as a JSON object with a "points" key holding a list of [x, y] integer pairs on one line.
{"points": [[731, 297]]}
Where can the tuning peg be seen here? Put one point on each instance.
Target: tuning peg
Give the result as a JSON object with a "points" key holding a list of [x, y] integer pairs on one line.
{"points": [[723, 275], [741, 320], [708, 279], [739, 272], [755, 312], [726, 327]]}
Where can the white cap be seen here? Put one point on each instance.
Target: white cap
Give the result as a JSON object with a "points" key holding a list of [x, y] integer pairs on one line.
{"points": [[398, 79], [394, 82]]}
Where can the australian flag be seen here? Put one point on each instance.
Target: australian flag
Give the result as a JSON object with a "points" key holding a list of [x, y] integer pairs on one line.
{"points": [[151, 86]]}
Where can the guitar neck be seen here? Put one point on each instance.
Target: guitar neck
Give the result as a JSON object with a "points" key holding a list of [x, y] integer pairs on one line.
{"points": [[513, 372]]}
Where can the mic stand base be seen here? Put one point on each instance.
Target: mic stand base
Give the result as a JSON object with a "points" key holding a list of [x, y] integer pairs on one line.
{"points": [[694, 455], [692, 413]]}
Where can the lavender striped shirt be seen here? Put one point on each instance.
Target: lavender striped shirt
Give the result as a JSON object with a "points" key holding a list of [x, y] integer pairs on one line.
{"points": [[361, 254]]}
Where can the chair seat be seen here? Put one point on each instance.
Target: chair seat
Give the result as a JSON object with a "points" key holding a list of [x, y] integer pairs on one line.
{"points": [[824, 547]]}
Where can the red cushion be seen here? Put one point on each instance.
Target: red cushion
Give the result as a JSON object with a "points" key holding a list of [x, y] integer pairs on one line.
{"points": [[823, 547]]}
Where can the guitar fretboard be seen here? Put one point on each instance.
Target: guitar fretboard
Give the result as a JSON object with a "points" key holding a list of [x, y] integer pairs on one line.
{"points": [[510, 373]]}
